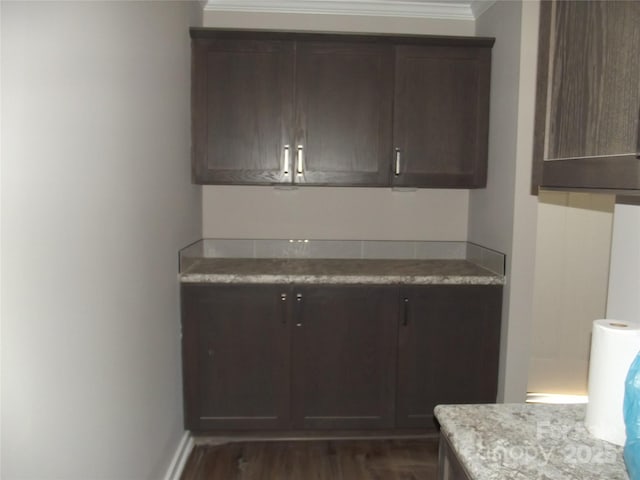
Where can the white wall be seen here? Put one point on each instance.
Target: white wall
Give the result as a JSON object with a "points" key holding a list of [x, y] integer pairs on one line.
{"points": [[340, 213], [96, 202], [623, 300], [571, 273], [503, 216]]}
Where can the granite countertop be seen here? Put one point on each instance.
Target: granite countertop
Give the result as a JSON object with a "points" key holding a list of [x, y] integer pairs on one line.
{"points": [[343, 271], [528, 441]]}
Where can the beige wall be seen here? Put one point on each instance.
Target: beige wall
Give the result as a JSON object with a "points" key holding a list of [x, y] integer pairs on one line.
{"points": [[503, 216], [340, 213], [334, 213], [623, 299], [96, 202], [571, 274]]}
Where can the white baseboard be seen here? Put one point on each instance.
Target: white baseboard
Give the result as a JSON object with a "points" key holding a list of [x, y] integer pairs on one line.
{"points": [[174, 472]]}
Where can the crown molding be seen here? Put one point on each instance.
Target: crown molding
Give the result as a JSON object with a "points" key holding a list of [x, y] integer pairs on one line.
{"points": [[478, 7], [444, 9]]}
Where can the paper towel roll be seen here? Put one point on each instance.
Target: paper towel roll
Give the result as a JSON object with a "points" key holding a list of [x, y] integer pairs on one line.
{"points": [[614, 345]]}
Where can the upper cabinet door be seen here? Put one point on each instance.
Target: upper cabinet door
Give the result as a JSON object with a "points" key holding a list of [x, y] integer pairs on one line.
{"points": [[588, 96], [344, 95], [242, 111], [441, 116]]}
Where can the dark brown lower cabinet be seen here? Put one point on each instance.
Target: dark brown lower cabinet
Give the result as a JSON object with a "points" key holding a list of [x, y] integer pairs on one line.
{"points": [[235, 354], [448, 347], [343, 360], [341, 357]]}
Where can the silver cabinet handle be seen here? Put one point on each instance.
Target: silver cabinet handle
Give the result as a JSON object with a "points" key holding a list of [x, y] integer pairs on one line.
{"points": [[283, 303], [299, 310], [287, 160], [396, 168], [300, 166]]}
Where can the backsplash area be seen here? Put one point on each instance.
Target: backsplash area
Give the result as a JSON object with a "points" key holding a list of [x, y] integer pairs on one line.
{"points": [[358, 249]]}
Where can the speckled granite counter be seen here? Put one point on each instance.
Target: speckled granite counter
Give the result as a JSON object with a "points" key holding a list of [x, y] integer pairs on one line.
{"points": [[338, 271], [528, 441]]}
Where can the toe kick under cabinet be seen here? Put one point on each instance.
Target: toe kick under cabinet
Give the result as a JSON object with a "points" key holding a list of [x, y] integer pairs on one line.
{"points": [[267, 357]]}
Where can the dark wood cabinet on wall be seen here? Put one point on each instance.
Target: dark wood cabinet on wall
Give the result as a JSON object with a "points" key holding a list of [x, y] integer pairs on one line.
{"points": [[335, 357], [587, 127], [441, 107], [349, 110]]}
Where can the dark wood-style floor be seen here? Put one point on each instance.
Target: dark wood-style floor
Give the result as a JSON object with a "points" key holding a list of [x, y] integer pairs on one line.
{"points": [[398, 459]]}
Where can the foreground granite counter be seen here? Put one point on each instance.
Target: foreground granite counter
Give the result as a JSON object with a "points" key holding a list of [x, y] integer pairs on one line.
{"points": [[342, 271], [524, 441]]}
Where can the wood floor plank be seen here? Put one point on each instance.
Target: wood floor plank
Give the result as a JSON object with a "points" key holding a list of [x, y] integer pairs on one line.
{"points": [[370, 459]]}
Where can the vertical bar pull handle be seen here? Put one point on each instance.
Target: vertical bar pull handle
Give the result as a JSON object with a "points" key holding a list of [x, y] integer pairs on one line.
{"points": [[298, 310], [283, 302], [405, 314], [396, 166], [286, 167], [638, 138], [300, 164]]}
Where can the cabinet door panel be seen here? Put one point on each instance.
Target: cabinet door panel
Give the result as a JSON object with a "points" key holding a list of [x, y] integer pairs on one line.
{"points": [[242, 110], [448, 349], [235, 357], [441, 116], [595, 79], [344, 345], [343, 112], [587, 122]]}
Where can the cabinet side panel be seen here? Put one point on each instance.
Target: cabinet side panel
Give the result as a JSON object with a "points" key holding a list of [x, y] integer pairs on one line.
{"points": [[542, 84]]}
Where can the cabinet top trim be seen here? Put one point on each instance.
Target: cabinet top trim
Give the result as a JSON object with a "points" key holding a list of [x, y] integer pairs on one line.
{"points": [[435, 40]]}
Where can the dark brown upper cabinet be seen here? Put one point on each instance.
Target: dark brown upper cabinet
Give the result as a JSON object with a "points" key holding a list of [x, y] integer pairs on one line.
{"points": [[242, 110], [441, 116], [343, 113], [587, 124], [278, 108], [283, 111]]}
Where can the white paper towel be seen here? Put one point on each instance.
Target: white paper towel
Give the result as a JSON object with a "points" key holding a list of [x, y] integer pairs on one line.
{"points": [[614, 345]]}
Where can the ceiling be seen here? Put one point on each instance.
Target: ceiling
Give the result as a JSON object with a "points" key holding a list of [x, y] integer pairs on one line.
{"points": [[443, 9]]}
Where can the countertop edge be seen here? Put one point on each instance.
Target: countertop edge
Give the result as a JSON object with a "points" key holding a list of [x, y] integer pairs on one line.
{"points": [[344, 279]]}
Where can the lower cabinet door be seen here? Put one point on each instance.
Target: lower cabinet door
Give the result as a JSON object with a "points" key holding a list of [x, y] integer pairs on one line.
{"points": [[343, 357], [448, 351], [235, 344], [344, 343]]}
